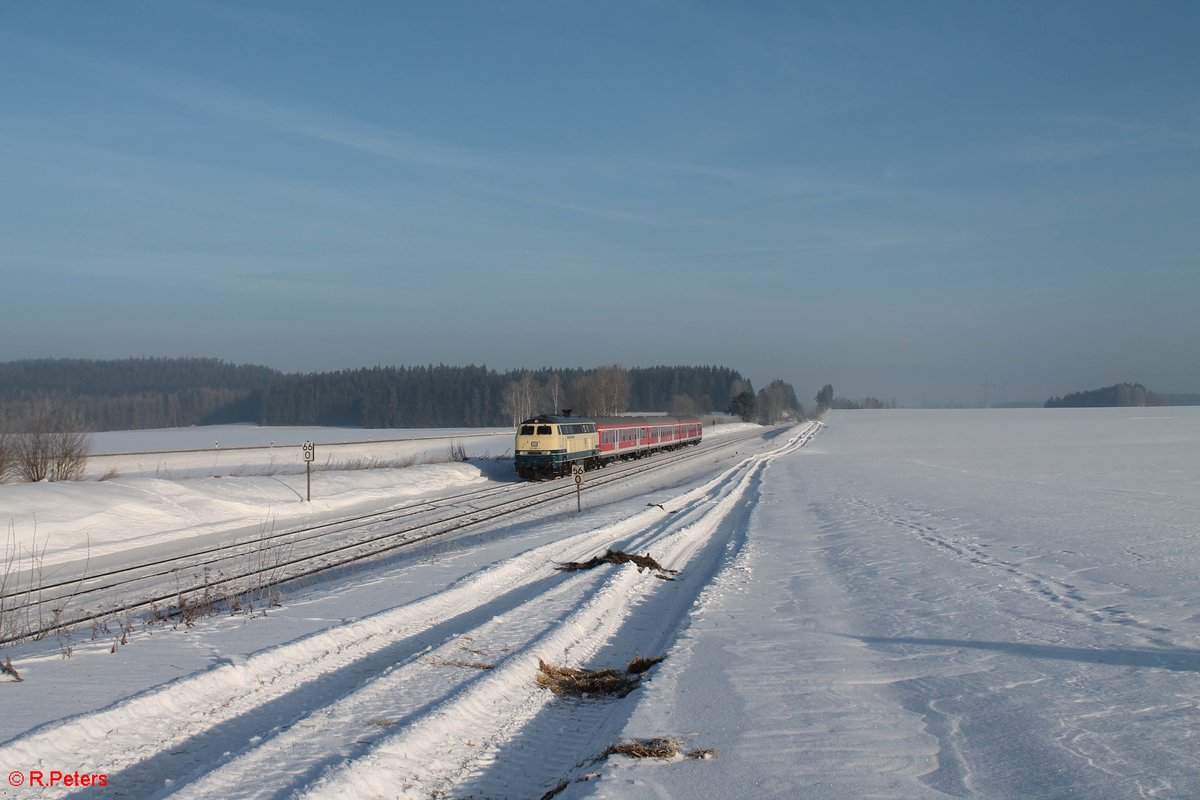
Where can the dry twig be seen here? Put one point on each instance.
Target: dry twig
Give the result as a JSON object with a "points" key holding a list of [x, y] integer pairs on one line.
{"points": [[6, 666]]}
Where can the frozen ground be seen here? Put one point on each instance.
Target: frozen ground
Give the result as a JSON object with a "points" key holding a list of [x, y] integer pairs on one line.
{"points": [[912, 604]]}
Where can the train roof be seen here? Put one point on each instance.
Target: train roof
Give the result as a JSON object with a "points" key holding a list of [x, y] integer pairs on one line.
{"points": [[655, 420], [554, 419]]}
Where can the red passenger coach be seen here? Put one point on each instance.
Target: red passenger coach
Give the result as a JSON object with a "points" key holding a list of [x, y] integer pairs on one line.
{"points": [[634, 437]]}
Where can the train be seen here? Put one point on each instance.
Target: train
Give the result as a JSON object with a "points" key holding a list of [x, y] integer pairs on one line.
{"points": [[548, 446]]}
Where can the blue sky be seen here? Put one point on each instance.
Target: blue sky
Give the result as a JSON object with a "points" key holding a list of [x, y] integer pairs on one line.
{"points": [[896, 198]]}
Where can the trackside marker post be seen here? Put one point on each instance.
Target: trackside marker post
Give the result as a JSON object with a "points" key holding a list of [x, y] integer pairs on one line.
{"points": [[577, 471], [310, 453]]}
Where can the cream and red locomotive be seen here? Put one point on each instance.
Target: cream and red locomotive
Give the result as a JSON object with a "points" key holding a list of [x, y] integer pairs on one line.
{"points": [[548, 445]]}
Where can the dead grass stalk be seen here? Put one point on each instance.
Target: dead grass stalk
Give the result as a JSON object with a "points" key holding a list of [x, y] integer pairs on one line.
{"points": [[578, 682], [657, 747]]}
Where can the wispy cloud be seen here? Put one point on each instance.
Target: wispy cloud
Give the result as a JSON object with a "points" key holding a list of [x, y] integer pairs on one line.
{"points": [[1088, 137], [1073, 138], [257, 19], [236, 106]]}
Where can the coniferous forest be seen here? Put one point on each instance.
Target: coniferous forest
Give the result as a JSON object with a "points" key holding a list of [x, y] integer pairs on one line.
{"points": [[1121, 394], [140, 393]]}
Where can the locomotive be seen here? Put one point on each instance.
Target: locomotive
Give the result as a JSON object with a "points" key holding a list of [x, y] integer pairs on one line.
{"points": [[549, 445]]}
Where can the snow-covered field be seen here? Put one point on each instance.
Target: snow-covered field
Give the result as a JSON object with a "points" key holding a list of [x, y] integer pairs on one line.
{"points": [[912, 604], [176, 493]]}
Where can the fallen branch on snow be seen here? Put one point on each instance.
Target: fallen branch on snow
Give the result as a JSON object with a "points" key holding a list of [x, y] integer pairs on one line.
{"points": [[619, 557]]}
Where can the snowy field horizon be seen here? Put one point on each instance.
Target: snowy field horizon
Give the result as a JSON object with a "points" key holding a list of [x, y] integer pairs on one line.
{"points": [[906, 604]]}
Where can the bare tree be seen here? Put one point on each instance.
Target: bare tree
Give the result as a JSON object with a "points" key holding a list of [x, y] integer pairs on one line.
{"points": [[6, 454], [612, 387], [777, 402], [50, 446], [683, 406], [585, 395], [739, 387], [554, 391], [522, 398]]}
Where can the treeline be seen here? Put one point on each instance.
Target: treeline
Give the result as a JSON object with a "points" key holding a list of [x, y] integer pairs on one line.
{"points": [[826, 400], [1119, 395], [475, 396], [67, 376], [866, 402], [132, 394], [1188, 399], [143, 393]]}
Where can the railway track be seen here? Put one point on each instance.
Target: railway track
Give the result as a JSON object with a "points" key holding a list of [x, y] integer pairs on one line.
{"points": [[253, 568]]}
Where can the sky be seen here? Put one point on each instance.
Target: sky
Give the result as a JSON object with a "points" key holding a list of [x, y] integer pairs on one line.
{"points": [[901, 199]]}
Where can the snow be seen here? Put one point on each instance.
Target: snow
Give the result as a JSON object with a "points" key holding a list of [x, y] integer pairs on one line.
{"points": [[173, 493], [907, 604]]}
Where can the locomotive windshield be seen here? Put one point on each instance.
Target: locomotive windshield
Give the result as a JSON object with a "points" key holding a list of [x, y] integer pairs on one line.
{"points": [[527, 430]]}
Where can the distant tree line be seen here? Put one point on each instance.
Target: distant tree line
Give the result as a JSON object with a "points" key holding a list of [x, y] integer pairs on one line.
{"points": [[444, 396], [1121, 395], [1188, 399], [826, 400], [866, 402], [1117, 395], [143, 393], [132, 394]]}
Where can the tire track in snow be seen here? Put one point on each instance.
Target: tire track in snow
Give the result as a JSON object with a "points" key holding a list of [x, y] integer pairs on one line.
{"points": [[287, 758], [563, 740], [463, 736], [344, 728]]}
